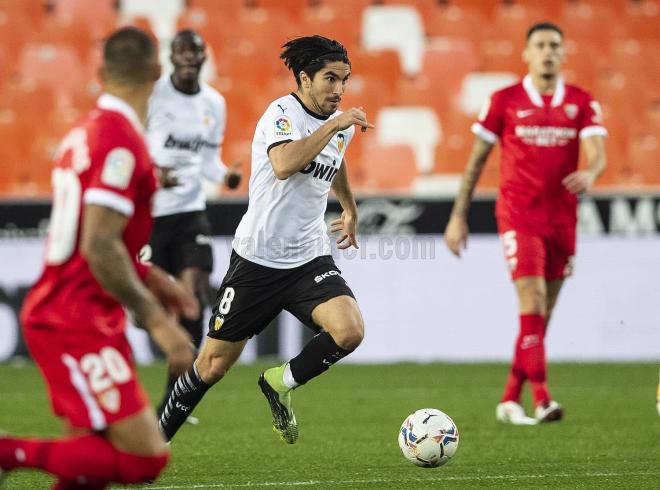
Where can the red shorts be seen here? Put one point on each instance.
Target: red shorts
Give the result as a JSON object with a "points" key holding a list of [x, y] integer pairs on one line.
{"points": [[91, 378], [549, 255]]}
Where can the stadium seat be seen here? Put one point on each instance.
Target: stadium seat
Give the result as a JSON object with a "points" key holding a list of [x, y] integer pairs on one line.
{"points": [[15, 28], [367, 91], [642, 19], [53, 66], [477, 87], [395, 27], [455, 146], [330, 20], [501, 55], [426, 8], [486, 7], [416, 126], [511, 22], [208, 23], [446, 63], [388, 167], [583, 63], [99, 16], [32, 11], [377, 64], [583, 22], [637, 59], [643, 158], [291, 8], [455, 21], [69, 32], [618, 7]]}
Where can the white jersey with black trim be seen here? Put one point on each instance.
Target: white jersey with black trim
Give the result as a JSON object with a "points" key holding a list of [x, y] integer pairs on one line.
{"points": [[184, 132], [284, 226]]}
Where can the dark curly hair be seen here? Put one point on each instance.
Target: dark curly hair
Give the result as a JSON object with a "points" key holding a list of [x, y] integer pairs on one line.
{"points": [[312, 53]]}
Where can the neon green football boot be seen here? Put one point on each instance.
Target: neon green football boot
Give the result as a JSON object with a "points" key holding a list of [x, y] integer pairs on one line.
{"points": [[279, 398]]}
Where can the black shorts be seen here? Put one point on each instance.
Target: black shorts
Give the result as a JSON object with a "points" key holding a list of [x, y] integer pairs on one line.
{"points": [[179, 241], [252, 295]]}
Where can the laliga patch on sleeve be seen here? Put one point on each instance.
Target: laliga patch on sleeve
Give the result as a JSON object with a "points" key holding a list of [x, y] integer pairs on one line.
{"points": [[118, 168], [283, 126]]}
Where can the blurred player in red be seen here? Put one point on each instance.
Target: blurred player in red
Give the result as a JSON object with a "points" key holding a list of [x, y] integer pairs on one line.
{"points": [[541, 123], [73, 318]]}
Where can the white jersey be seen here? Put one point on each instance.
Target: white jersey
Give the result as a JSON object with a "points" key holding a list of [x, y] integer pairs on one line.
{"points": [[284, 226], [184, 132]]}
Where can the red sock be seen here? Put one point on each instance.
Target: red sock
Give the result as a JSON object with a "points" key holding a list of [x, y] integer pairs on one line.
{"points": [[89, 459], [517, 376], [532, 355]]}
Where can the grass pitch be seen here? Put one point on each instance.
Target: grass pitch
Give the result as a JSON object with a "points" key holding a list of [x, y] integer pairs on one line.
{"points": [[349, 420]]}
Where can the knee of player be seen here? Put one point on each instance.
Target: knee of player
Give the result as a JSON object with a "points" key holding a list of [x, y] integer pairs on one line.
{"points": [[351, 336]]}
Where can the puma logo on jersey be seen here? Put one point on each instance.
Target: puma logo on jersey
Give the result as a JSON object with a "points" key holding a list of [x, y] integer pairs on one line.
{"points": [[524, 113], [321, 171]]}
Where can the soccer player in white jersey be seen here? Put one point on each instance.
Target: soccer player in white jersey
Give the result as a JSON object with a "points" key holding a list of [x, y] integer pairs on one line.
{"points": [[281, 258], [185, 128]]}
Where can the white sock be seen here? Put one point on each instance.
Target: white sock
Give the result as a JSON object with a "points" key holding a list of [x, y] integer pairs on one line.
{"points": [[288, 379]]}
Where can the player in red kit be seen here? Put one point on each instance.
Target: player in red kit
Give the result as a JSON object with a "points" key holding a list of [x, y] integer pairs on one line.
{"points": [[73, 318], [541, 124]]}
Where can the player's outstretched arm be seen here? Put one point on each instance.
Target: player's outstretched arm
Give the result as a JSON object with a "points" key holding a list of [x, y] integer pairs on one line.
{"points": [[581, 180], [289, 158], [347, 223], [456, 232], [109, 261], [171, 294]]}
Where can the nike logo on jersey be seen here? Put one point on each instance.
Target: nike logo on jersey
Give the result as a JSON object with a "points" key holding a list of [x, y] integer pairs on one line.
{"points": [[524, 113]]}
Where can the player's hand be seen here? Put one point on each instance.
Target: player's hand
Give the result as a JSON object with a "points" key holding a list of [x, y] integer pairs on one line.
{"points": [[346, 225], [456, 235], [234, 175], [579, 181], [172, 295], [354, 115], [166, 177], [174, 341]]}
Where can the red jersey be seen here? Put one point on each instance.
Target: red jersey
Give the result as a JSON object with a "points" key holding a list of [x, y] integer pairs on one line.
{"points": [[104, 161], [539, 137]]}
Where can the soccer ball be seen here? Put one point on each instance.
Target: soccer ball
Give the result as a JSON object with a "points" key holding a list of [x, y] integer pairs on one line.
{"points": [[428, 438]]}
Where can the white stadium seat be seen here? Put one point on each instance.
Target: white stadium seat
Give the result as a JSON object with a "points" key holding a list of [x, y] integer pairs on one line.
{"points": [[416, 126], [399, 28], [477, 87]]}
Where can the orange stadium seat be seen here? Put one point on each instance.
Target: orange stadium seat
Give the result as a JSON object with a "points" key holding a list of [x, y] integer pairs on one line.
{"points": [[426, 8], [446, 62], [32, 10], [207, 23], [100, 16], [487, 7], [618, 7], [638, 59], [642, 20], [14, 31], [643, 157], [69, 32], [454, 148], [291, 8], [52, 65], [331, 21], [367, 91], [266, 29], [583, 22], [32, 102], [382, 64], [583, 63], [455, 21], [511, 22], [549, 10], [388, 167]]}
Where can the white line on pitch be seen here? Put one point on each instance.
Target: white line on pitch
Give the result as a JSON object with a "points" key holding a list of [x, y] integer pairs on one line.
{"points": [[304, 483]]}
